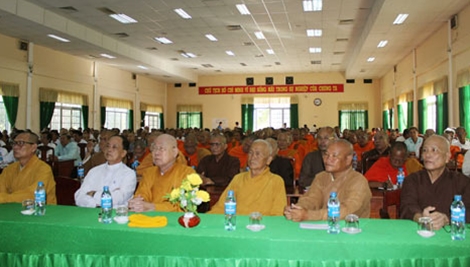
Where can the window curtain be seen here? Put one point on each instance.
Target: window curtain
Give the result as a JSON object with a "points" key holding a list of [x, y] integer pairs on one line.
{"points": [[85, 116], [131, 119], [385, 119], [409, 122], [294, 116], [144, 108], [102, 116], [442, 110], [464, 106], [10, 94], [189, 116], [142, 118], [422, 111], [162, 121], [247, 117], [116, 103], [47, 100], [401, 118], [352, 115]]}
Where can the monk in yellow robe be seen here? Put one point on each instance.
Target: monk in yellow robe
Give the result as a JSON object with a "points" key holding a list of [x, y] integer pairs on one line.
{"points": [[19, 180], [258, 189]]}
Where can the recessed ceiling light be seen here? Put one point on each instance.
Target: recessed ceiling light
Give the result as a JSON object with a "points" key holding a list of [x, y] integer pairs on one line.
{"points": [[107, 56], [314, 32], [270, 51], [53, 36], [259, 35], [188, 55], [312, 5], [400, 19], [371, 59], [142, 67], [123, 18], [211, 37], [182, 13], [163, 40], [243, 9], [382, 43], [314, 50], [230, 53]]}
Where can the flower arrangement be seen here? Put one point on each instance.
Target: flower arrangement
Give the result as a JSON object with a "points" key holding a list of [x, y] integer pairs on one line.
{"points": [[188, 195]]}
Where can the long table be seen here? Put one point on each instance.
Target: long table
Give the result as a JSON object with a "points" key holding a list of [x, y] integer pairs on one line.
{"points": [[72, 236]]}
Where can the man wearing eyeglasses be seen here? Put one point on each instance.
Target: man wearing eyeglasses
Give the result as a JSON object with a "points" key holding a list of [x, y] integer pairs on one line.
{"points": [[218, 168], [114, 173], [159, 180], [67, 150], [19, 180]]}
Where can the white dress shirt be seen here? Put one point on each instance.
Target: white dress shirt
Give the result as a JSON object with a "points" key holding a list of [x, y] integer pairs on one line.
{"points": [[120, 179]]}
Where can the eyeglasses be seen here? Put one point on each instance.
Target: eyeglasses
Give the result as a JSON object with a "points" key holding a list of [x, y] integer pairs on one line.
{"points": [[154, 148], [20, 143], [216, 144]]}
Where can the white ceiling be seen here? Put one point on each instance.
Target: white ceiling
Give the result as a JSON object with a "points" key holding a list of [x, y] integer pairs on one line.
{"points": [[351, 31]]}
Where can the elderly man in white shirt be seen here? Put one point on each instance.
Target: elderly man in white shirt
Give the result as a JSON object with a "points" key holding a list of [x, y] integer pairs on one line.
{"points": [[115, 174]]}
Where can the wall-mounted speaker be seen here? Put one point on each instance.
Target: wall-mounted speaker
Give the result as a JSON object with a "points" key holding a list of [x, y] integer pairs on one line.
{"points": [[134, 76], [177, 85], [289, 79], [454, 22], [367, 80], [269, 80], [250, 81], [192, 84], [23, 46], [350, 81]]}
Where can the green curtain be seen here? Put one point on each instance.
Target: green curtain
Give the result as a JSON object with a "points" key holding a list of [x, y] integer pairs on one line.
{"points": [[401, 118], [11, 107], [142, 118], [189, 119], [131, 119], [247, 116], [46, 110], [442, 110], [294, 116], [390, 119], [464, 107], [103, 116], [409, 121], [200, 120], [178, 120], [162, 121], [385, 121], [353, 119], [422, 114], [85, 116]]}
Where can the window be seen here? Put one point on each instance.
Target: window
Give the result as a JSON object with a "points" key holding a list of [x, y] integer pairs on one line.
{"points": [[271, 112], [430, 113], [66, 116], [402, 116], [189, 119], [152, 120], [353, 115], [4, 123], [117, 118]]}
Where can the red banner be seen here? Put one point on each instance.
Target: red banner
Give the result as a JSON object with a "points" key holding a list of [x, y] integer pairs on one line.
{"points": [[272, 89]]}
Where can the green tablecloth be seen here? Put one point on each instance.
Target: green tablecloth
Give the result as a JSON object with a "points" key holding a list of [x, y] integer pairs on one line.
{"points": [[72, 236]]}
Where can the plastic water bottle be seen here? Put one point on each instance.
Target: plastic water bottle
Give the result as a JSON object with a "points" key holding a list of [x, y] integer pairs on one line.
{"points": [[333, 214], [354, 161], [135, 164], [400, 177], [230, 212], [40, 199], [457, 219], [106, 206], [80, 172]]}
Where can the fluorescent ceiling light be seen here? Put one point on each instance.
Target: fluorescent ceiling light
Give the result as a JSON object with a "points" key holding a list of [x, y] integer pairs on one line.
{"points": [[259, 35], [314, 50], [314, 32], [230, 53], [400, 19], [53, 36], [163, 40], [371, 59], [107, 56], [211, 37], [270, 51], [243, 9], [182, 13], [382, 43], [142, 67], [312, 5], [123, 18], [188, 55]]}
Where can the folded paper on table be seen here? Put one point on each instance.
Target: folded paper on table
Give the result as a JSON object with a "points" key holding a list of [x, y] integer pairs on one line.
{"points": [[144, 221]]}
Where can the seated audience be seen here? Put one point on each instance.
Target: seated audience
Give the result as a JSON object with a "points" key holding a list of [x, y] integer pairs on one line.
{"points": [[284, 141], [280, 165], [466, 165], [381, 149], [385, 169], [351, 187], [364, 144], [114, 173], [93, 158], [461, 140], [160, 179], [313, 162], [192, 153], [404, 136], [414, 142], [67, 149], [241, 151], [218, 168], [46, 141], [19, 180], [430, 192], [258, 189]]}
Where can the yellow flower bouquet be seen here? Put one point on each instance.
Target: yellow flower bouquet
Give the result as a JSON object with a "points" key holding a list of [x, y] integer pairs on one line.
{"points": [[188, 195]]}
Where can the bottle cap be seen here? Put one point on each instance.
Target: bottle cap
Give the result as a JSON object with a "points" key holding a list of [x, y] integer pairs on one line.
{"points": [[105, 188], [40, 184], [230, 193], [333, 194], [458, 197]]}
